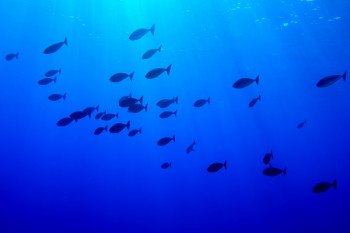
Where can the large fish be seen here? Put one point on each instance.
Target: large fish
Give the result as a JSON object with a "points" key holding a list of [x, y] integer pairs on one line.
{"points": [[109, 116], [216, 167], [167, 114], [133, 132], [55, 97], [78, 115], [300, 125], [100, 114], [135, 108], [164, 141], [138, 34], [150, 53], [272, 171], [157, 71], [244, 82], [46, 81], [64, 121], [253, 102], [329, 80], [267, 158], [11, 56], [166, 165], [51, 73], [55, 47], [121, 76], [99, 130], [324, 186], [89, 110], [199, 103], [127, 101], [190, 148], [166, 102], [116, 128]]}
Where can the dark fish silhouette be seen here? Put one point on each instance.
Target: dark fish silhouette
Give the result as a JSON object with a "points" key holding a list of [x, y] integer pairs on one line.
{"points": [[99, 130], [166, 165], [89, 110], [116, 128], [244, 82], [167, 114], [267, 158], [99, 115], [164, 141], [120, 77], [134, 132], [78, 115], [55, 97], [329, 80], [324, 186], [201, 102], [135, 108], [11, 56], [138, 34], [150, 53], [216, 167], [157, 71], [51, 73], [272, 171], [109, 116], [166, 102], [190, 148], [46, 81], [64, 121], [53, 48], [253, 102], [126, 101], [301, 124]]}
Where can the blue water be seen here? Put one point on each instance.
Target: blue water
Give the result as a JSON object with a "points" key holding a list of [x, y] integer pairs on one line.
{"points": [[66, 179]]}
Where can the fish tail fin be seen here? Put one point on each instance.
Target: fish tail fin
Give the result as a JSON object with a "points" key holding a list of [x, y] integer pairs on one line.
{"points": [[335, 184], [128, 125], [259, 97], [97, 107], [176, 99], [17, 55], [152, 29], [54, 80], [131, 75], [104, 113], [305, 122], [170, 164], [141, 99], [106, 128], [225, 164], [146, 107], [64, 96], [174, 137], [65, 41], [117, 115], [160, 47], [209, 100], [59, 71], [284, 171], [344, 75], [175, 113], [140, 130], [168, 69], [194, 142], [257, 79]]}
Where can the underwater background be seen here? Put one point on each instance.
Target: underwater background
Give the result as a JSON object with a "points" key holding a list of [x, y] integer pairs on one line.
{"points": [[66, 179]]}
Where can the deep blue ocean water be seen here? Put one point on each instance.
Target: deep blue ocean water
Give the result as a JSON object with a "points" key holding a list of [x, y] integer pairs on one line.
{"points": [[66, 179]]}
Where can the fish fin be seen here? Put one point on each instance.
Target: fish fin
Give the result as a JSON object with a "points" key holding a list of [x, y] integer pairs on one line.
{"points": [[168, 69], [17, 55], [194, 143], [152, 29], [174, 137], [344, 75], [257, 79], [65, 41], [225, 164], [97, 107], [54, 80], [64, 96], [117, 115], [160, 48], [284, 171], [131, 75], [170, 165], [128, 125], [176, 100], [106, 128], [175, 112], [76, 120], [146, 107], [141, 99], [209, 100], [305, 122], [140, 130], [104, 113], [259, 97], [335, 184], [130, 95]]}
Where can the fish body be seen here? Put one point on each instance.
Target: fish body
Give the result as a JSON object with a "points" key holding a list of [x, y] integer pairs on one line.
{"points": [[64, 121], [55, 47], [116, 128], [150, 53], [253, 102], [166, 165], [135, 108], [216, 167], [138, 34], [120, 77], [199, 103], [166, 102], [51, 73], [272, 171], [190, 148], [164, 141], [134, 132], [329, 80], [167, 114], [99, 130], [55, 97], [46, 81], [109, 116], [244, 82], [324, 186], [11, 56], [126, 102], [157, 71]]}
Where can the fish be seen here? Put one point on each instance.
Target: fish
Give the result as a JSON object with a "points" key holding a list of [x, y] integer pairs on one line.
{"points": [[55, 97], [11, 56], [116, 128], [135, 108], [134, 132], [46, 81], [166, 165], [167, 114], [51, 73], [267, 158], [120, 77], [324, 186], [127, 101], [164, 141], [55, 47], [272, 171], [301, 124], [329, 80], [78, 115], [216, 167], [253, 102], [150, 53], [64, 121], [109, 116], [157, 71], [166, 102], [89, 110], [99, 115], [99, 130], [138, 34], [201, 102], [190, 148], [244, 82]]}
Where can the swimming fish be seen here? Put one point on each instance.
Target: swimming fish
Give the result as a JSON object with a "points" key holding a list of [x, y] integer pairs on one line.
{"points": [[99, 115], [253, 102], [201, 102], [166, 165], [55, 47], [121, 76], [99, 130], [150, 53], [164, 141], [267, 158], [134, 132], [272, 171], [166, 102], [301, 124], [167, 114], [116, 128], [190, 148], [51, 73], [329, 80], [89, 110], [135, 108], [78, 115], [244, 82], [11, 56], [109, 116], [126, 101], [324, 186], [46, 81], [216, 167], [138, 34], [64, 121], [157, 71], [55, 97]]}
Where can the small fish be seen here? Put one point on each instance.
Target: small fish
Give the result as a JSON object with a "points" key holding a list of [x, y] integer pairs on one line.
{"points": [[116, 128], [78, 115], [126, 101], [166, 102], [267, 158], [99, 130], [99, 115], [134, 132], [167, 114], [46, 81], [150, 53], [164, 141], [89, 110], [157, 71], [244, 82], [216, 167], [11, 56], [301, 124], [64, 121], [201, 102], [272, 171], [329, 80], [253, 102], [120, 77], [109, 116], [138, 34], [135, 108], [324, 186], [166, 165], [190, 148], [51, 73], [55, 47], [55, 97]]}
